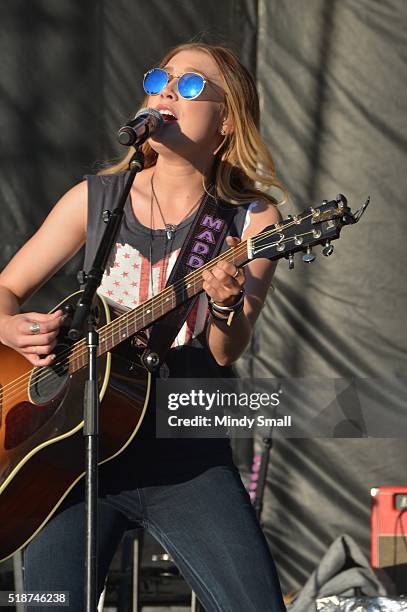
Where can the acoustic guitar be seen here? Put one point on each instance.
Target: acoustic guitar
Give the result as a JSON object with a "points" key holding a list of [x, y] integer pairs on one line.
{"points": [[41, 408]]}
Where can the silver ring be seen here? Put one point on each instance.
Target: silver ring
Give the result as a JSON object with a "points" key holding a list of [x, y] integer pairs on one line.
{"points": [[236, 273], [35, 328]]}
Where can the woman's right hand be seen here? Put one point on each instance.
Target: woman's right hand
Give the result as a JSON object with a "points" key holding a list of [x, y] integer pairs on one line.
{"points": [[37, 347]]}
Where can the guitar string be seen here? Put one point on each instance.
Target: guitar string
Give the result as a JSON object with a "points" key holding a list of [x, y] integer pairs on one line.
{"points": [[196, 275], [133, 317]]}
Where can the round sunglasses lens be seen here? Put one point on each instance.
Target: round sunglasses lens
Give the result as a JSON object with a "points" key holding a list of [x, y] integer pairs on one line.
{"points": [[190, 85], [155, 81]]}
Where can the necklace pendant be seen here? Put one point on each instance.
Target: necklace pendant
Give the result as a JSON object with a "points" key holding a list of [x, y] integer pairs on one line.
{"points": [[170, 229]]}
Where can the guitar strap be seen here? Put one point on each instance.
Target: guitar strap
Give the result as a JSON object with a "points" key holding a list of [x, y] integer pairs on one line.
{"points": [[203, 243]]}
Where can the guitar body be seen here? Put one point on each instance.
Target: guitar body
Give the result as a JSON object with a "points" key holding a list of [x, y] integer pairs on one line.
{"points": [[42, 451]]}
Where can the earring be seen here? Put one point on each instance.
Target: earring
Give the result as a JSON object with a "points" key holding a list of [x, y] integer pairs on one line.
{"points": [[222, 131]]}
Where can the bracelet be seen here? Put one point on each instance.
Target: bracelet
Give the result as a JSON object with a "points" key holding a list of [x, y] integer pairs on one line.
{"points": [[236, 306], [226, 313]]}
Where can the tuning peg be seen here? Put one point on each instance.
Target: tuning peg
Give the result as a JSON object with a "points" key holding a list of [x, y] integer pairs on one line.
{"points": [[341, 200], [290, 258], [308, 256], [328, 249]]}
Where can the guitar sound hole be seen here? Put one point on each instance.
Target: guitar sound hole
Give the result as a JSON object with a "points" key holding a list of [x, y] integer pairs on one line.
{"points": [[48, 383]]}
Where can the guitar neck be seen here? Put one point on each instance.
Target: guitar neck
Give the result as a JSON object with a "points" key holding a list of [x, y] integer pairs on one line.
{"points": [[299, 233], [144, 315]]}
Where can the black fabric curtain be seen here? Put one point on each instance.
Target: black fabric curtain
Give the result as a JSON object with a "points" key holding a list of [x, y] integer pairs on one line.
{"points": [[332, 78]]}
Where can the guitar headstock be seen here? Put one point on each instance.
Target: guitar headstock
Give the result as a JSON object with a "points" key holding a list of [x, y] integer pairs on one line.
{"points": [[314, 226]]}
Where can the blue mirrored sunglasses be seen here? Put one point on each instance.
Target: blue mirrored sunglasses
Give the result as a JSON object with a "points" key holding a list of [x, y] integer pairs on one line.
{"points": [[190, 84]]}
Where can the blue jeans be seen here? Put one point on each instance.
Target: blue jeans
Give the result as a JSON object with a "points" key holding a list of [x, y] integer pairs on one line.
{"points": [[207, 524]]}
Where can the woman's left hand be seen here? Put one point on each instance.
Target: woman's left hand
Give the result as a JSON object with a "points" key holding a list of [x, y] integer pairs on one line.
{"points": [[224, 282]]}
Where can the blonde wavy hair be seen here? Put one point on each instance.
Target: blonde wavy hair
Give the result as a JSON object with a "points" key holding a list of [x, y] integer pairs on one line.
{"points": [[244, 168]]}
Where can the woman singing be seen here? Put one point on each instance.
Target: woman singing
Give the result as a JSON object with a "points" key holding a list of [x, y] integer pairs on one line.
{"points": [[186, 492]]}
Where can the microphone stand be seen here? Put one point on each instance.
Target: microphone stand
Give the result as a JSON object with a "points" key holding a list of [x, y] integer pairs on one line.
{"points": [[262, 474], [84, 317], [261, 482]]}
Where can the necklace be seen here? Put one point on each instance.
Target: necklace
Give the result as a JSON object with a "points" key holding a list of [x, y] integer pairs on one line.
{"points": [[170, 228]]}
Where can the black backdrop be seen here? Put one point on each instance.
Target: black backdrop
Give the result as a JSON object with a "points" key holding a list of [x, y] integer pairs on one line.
{"points": [[331, 76]]}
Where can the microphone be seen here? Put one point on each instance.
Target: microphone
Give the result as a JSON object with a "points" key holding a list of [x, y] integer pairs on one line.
{"points": [[145, 124]]}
